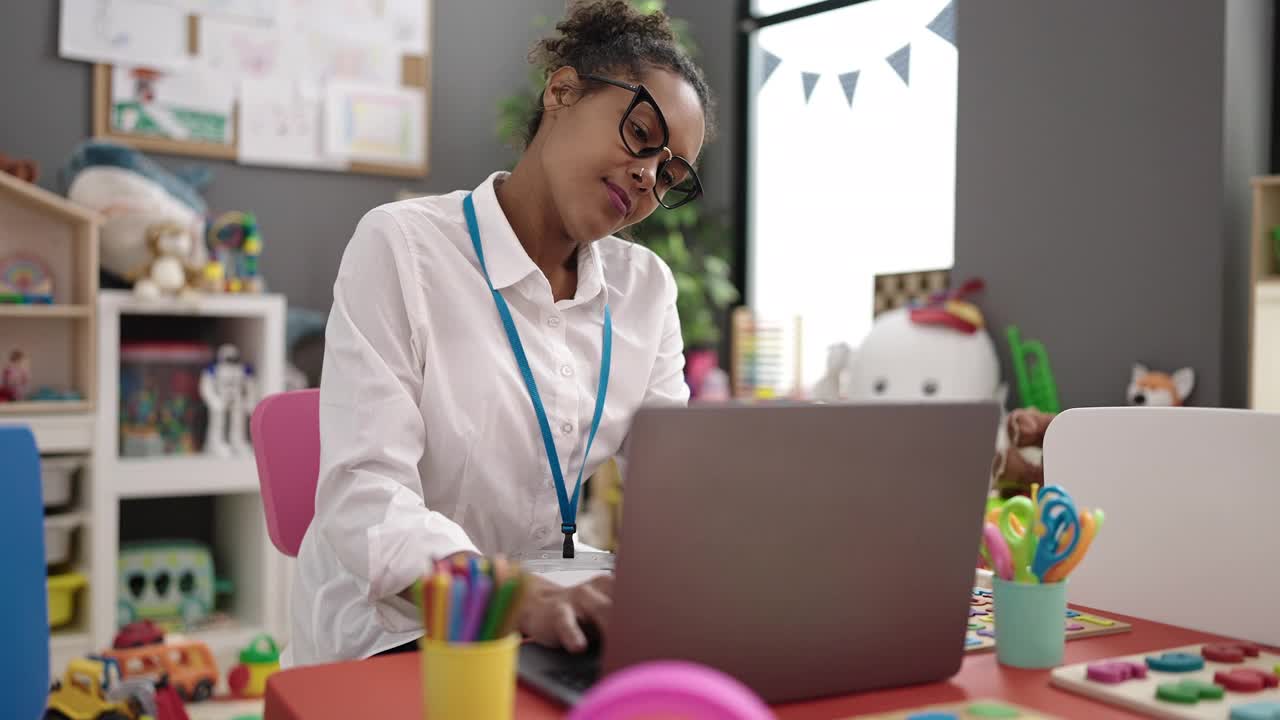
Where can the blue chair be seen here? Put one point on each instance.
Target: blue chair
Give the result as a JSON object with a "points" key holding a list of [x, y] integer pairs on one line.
{"points": [[24, 609]]}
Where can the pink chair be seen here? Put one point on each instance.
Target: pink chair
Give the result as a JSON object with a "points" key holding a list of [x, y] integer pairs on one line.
{"points": [[286, 442]]}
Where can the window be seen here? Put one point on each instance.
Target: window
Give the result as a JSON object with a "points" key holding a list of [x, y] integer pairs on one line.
{"points": [[850, 149]]}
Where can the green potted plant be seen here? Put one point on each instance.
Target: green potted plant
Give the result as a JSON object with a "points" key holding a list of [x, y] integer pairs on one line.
{"points": [[693, 240]]}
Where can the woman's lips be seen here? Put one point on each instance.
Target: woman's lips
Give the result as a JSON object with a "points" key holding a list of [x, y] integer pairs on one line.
{"points": [[619, 198]]}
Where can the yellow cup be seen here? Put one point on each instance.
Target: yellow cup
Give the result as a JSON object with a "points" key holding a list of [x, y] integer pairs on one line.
{"points": [[470, 680]]}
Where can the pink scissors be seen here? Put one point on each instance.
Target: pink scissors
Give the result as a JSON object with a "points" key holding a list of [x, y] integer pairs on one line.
{"points": [[1000, 557]]}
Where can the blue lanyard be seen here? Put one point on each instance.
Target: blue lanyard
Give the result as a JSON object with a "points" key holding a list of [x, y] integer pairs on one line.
{"points": [[568, 506]]}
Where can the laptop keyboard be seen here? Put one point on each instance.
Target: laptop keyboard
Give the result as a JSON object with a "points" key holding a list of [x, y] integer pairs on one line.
{"points": [[579, 677]]}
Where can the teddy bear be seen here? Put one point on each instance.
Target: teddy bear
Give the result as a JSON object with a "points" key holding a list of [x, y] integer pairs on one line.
{"points": [[166, 275]]}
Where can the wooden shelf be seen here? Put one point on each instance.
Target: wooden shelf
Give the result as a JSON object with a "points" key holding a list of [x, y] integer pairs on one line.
{"points": [[44, 407], [174, 476], [45, 311]]}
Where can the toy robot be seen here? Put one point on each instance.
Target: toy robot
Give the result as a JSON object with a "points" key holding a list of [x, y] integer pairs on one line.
{"points": [[230, 392]]}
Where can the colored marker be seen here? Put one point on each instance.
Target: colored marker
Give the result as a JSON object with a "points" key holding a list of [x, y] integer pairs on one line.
{"points": [[498, 608], [457, 607], [510, 613], [477, 601], [439, 592]]}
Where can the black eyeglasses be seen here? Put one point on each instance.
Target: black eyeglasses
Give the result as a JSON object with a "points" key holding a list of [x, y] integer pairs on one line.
{"points": [[644, 133]]}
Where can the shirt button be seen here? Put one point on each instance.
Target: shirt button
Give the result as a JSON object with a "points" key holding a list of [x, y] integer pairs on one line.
{"points": [[566, 428], [566, 371], [553, 321]]}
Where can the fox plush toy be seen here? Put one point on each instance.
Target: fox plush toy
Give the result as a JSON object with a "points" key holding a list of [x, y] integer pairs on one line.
{"points": [[1157, 389]]}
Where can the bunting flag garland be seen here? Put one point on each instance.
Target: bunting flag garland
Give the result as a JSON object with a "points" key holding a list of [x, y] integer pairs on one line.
{"points": [[849, 81], [810, 79], [943, 25], [900, 61]]}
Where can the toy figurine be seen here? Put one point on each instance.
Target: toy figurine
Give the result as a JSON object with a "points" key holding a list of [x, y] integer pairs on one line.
{"points": [[15, 377], [1158, 389], [230, 392], [166, 274]]}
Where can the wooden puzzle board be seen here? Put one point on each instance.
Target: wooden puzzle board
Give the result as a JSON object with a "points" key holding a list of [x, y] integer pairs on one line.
{"points": [[981, 634], [1139, 694], [969, 710]]}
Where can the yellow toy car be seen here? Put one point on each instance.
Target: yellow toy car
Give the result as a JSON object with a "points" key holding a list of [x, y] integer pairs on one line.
{"points": [[80, 696]]}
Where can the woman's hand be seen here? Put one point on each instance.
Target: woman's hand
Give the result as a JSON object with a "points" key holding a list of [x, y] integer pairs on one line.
{"points": [[551, 614]]}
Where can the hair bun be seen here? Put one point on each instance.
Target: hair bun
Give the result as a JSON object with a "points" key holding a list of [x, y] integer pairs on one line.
{"points": [[592, 24]]}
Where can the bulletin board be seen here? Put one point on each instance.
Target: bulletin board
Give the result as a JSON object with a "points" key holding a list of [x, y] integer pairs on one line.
{"points": [[271, 91]]}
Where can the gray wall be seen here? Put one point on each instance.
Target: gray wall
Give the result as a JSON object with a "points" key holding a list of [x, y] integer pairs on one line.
{"points": [[1090, 184], [1247, 144], [307, 217]]}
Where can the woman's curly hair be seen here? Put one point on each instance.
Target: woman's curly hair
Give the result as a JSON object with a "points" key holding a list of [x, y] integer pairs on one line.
{"points": [[610, 35]]}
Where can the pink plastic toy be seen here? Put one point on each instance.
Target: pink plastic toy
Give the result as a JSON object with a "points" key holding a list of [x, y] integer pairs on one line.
{"points": [[671, 689], [286, 443]]}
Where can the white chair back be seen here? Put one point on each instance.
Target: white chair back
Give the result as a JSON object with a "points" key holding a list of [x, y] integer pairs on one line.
{"points": [[1192, 502]]}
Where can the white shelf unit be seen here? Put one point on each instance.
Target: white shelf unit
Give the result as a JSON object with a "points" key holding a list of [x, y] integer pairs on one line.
{"points": [[242, 551], [1264, 297]]}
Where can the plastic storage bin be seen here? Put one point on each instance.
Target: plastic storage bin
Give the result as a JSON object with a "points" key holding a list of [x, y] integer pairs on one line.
{"points": [[57, 476], [59, 533], [161, 412], [62, 597]]}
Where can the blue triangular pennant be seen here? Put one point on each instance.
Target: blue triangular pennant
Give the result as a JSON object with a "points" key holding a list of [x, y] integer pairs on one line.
{"points": [[771, 62], [810, 79], [900, 61], [849, 81], [945, 23]]}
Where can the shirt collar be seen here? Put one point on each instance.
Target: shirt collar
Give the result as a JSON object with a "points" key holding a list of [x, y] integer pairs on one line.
{"points": [[506, 259]]}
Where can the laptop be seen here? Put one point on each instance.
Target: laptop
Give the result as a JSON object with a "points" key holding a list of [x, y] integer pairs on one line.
{"points": [[806, 550]]}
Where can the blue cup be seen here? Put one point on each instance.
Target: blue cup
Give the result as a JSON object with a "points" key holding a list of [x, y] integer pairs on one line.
{"points": [[1030, 623]]}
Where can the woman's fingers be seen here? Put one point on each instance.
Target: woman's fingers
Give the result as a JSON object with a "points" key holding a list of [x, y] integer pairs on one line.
{"points": [[593, 605], [566, 627]]}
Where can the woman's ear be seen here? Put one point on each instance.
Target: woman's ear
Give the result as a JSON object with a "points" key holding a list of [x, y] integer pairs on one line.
{"points": [[562, 90]]}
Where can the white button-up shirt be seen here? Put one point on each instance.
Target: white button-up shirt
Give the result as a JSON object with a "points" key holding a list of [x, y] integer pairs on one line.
{"points": [[429, 442]]}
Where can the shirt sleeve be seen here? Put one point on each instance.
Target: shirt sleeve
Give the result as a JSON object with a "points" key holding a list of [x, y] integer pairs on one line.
{"points": [[666, 384], [369, 506]]}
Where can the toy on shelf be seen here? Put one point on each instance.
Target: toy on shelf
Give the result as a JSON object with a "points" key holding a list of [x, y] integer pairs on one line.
{"points": [[762, 367], [236, 245], [167, 580], [15, 377], [25, 280], [981, 633], [187, 665], [1036, 386], [257, 663], [230, 391], [20, 168], [1236, 680], [141, 694], [81, 694], [137, 634], [933, 352], [135, 194], [161, 412], [166, 274], [1158, 389]]}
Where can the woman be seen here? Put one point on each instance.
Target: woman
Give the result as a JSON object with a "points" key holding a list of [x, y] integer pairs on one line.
{"points": [[432, 440]]}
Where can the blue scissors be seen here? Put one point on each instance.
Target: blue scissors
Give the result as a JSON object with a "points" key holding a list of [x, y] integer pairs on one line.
{"points": [[1034, 554], [1060, 518]]}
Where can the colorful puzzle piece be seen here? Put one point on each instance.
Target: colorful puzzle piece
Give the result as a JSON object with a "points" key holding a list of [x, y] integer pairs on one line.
{"points": [[1189, 692], [1115, 671], [1247, 680], [1229, 652], [1176, 662], [967, 710], [1256, 711]]}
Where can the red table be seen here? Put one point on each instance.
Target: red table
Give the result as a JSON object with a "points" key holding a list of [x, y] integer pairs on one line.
{"points": [[389, 688]]}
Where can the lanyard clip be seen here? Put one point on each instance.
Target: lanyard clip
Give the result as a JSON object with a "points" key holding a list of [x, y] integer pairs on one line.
{"points": [[568, 530]]}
